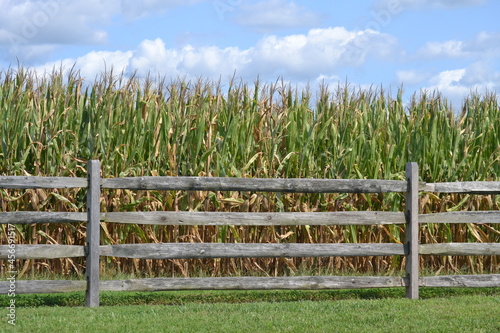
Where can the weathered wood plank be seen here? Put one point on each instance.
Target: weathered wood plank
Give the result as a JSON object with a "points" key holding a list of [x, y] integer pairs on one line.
{"points": [[27, 182], [237, 218], [253, 283], [461, 249], [226, 218], [461, 217], [41, 217], [248, 250], [484, 187], [412, 231], [93, 233], [475, 281], [298, 185], [43, 286], [43, 251]]}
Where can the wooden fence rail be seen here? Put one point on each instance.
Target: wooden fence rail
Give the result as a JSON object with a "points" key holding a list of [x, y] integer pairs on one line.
{"points": [[93, 250], [245, 250]]}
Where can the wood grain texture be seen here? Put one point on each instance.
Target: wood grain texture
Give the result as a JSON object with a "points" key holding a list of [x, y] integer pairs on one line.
{"points": [[484, 187], [28, 182], [225, 218], [43, 286], [237, 218], [461, 249], [412, 230], [248, 250], [461, 217], [474, 281], [92, 248], [412, 249], [43, 251], [295, 185], [41, 217], [253, 283]]}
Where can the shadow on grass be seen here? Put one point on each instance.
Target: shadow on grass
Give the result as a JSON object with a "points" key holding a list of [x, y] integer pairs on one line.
{"points": [[185, 297]]}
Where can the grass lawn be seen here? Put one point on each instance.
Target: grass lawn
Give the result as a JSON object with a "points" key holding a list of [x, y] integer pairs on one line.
{"points": [[438, 311]]}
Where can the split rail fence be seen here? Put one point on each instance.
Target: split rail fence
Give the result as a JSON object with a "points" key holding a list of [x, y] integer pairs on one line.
{"points": [[93, 250]]}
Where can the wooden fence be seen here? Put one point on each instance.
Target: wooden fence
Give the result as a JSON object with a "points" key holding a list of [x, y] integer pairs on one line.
{"points": [[93, 250]]}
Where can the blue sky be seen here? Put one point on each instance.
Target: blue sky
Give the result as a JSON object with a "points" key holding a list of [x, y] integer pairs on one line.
{"points": [[452, 46]]}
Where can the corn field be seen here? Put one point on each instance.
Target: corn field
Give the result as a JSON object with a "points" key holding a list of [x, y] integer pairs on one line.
{"points": [[52, 124]]}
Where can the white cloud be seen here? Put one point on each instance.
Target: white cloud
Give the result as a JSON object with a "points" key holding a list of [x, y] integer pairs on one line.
{"points": [[483, 45], [152, 56], [319, 53], [447, 78], [481, 74], [29, 26], [486, 44], [451, 48], [213, 61], [92, 64], [448, 83], [458, 83], [266, 16]]}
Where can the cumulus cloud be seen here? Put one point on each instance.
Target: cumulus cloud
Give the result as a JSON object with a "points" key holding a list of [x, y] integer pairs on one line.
{"points": [[213, 61], [27, 27], [266, 16], [486, 44], [36, 22], [321, 51], [450, 85], [92, 64], [483, 45], [152, 56], [482, 73], [451, 48], [318, 53], [479, 71], [458, 83], [447, 78]]}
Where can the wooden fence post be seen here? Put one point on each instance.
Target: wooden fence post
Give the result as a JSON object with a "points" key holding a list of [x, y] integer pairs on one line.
{"points": [[93, 233], [412, 230]]}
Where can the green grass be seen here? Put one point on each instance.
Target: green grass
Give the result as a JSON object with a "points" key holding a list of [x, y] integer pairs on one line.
{"points": [[237, 296], [477, 313]]}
